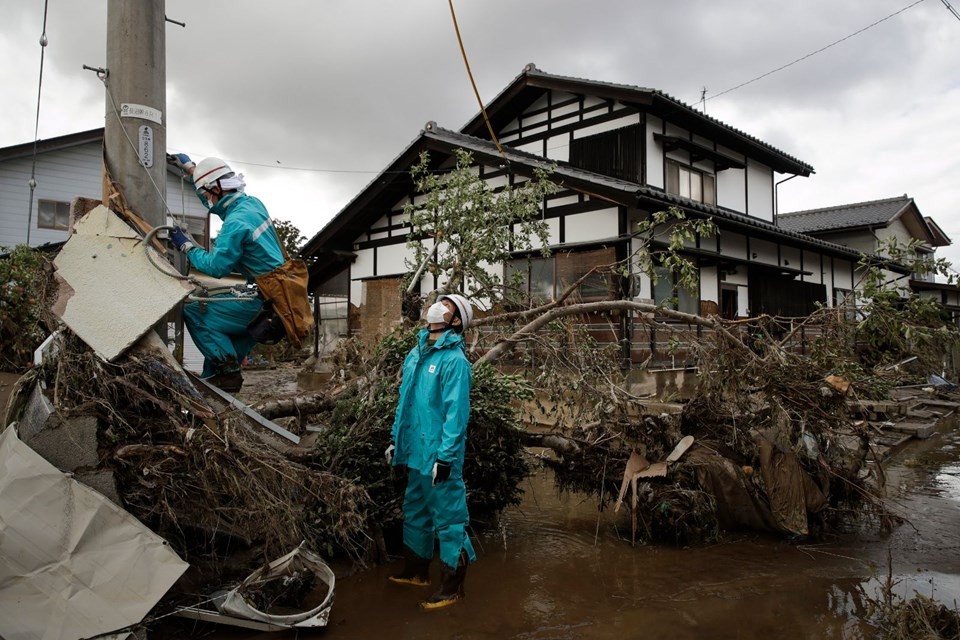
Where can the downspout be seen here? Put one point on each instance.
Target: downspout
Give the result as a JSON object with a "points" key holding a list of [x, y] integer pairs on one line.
{"points": [[776, 197]]}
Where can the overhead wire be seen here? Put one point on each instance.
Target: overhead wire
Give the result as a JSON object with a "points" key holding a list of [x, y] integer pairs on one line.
{"points": [[951, 9], [466, 62], [820, 50], [700, 99], [36, 126]]}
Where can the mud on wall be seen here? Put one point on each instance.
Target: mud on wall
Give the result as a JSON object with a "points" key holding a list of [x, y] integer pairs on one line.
{"points": [[379, 313]]}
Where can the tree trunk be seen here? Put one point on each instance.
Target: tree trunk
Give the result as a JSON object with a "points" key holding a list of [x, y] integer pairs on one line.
{"points": [[294, 406]]}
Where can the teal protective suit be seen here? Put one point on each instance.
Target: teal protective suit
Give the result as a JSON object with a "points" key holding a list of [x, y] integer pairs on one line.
{"points": [[431, 425], [247, 244]]}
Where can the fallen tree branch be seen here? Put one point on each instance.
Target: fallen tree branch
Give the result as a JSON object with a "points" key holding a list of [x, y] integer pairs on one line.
{"points": [[507, 344], [295, 406], [135, 450], [560, 444]]}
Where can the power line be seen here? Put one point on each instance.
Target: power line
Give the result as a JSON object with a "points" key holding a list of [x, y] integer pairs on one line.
{"points": [[36, 126], [821, 49], [951, 9]]}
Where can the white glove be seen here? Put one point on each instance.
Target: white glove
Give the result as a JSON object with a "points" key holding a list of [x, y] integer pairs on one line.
{"points": [[388, 454]]}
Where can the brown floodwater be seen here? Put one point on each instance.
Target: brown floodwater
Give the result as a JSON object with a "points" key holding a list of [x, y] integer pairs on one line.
{"points": [[555, 568]]}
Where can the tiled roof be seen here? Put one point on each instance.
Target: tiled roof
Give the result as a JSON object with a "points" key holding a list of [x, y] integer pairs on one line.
{"points": [[645, 90], [504, 107], [622, 191], [847, 216]]}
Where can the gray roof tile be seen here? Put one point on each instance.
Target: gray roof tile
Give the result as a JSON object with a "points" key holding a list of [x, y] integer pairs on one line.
{"points": [[845, 216]]}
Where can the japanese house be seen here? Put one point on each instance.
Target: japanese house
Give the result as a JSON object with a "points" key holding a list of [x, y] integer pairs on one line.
{"points": [[619, 153]]}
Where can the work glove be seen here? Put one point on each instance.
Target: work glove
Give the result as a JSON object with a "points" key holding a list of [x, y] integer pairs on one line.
{"points": [[181, 160], [388, 454], [441, 471], [182, 241]]}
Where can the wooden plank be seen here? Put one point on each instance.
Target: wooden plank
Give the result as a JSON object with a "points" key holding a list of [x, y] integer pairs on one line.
{"points": [[946, 404], [922, 430], [921, 414]]}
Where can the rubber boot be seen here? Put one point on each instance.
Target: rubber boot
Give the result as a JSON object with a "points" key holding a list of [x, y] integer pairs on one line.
{"points": [[227, 376], [415, 572], [451, 585]]}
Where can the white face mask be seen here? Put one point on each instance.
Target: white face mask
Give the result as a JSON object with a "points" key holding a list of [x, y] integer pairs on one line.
{"points": [[436, 312]]}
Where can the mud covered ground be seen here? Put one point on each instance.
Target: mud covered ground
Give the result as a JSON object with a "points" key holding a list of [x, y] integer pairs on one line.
{"points": [[556, 568]]}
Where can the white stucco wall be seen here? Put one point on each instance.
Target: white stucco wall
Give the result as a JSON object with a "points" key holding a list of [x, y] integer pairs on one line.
{"points": [[731, 190], [593, 225], [759, 191], [654, 153]]}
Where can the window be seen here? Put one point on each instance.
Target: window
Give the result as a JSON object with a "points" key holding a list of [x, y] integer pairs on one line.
{"points": [[667, 293], [611, 153], [53, 215], [844, 300], [535, 279], [691, 183], [543, 279]]}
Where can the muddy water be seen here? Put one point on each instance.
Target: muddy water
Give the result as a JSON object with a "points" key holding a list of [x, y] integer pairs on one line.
{"points": [[555, 569]]}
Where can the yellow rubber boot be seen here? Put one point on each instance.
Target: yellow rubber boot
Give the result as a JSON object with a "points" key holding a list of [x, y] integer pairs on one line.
{"points": [[451, 586], [415, 572]]}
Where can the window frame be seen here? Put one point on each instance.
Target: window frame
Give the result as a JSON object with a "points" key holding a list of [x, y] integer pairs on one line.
{"points": [[60, 209], [702, 177], [683, 300], [561, 276]]}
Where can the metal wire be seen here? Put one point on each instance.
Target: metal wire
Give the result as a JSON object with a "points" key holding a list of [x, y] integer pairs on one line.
{"points": [[116, 112], [36, 125]]}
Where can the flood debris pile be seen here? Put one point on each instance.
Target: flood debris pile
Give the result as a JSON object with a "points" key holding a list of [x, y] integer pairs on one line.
{"points": [[899, 617], [192, 473], [781, 445]]}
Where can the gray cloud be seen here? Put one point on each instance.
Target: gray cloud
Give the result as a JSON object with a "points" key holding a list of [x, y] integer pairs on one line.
{"points": [[346, 85]]}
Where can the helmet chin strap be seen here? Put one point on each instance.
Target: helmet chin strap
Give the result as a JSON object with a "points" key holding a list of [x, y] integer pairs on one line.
{"points": [[441, 329]]}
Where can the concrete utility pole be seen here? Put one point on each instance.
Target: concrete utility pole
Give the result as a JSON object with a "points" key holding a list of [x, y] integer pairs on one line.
{"points": [[136, 102]]}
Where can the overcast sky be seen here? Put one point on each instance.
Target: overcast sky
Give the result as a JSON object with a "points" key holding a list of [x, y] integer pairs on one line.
{"points": [[310, 99]]}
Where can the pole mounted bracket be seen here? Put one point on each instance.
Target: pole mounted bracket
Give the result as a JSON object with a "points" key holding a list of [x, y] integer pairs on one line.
{"points": [[102, 73]]}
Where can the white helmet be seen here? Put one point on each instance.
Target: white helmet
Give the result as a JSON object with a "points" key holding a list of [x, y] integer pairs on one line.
{"points": [[463, 306], [209, 171]]}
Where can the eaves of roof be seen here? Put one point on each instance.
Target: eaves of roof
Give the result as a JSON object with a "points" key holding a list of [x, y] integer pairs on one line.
{"points": [[940, 238], [356, 217], [531, 82], [52, 144], [923, 285]]}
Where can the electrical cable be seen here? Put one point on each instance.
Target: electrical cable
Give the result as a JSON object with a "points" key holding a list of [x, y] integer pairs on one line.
{"points": [[821, 49], [951, 9], [36, 126], [466, 62]]}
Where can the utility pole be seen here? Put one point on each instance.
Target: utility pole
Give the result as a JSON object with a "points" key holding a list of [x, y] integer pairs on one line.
{"points": [[135, 137]]}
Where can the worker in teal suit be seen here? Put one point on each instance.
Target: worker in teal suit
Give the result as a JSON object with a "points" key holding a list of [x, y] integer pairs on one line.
{"points": [[429, 437], [247, 244]]}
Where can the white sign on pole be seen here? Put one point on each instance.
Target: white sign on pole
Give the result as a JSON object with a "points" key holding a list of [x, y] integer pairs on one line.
{"points": [[146, 146], [142, 111]]}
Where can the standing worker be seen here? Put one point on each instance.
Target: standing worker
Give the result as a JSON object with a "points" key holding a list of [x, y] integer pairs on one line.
{"points": [[429, 436], [248, 244]]}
